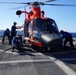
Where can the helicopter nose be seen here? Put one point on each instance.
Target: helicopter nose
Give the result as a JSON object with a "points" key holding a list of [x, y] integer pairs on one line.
{"points": [[51, 40]]}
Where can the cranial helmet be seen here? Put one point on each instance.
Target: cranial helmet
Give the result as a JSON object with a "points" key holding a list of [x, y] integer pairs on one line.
{"points": [[14, 23], [61, 31]]}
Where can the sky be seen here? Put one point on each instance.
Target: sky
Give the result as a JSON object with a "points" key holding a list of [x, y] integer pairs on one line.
{"points": [[65, 17]]}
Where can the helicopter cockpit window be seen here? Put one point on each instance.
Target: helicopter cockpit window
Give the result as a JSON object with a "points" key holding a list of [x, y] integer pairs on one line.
{"points": [[45, 25], [39, 25], [51, 25]]}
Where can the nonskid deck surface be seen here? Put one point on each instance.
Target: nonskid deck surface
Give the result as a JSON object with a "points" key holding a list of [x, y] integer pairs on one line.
{"points": [[31, 61], [27, 47]]}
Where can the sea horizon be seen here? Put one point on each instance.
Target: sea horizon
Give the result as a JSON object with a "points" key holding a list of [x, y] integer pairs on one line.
{"points": [[18, 32], [22, 33]]}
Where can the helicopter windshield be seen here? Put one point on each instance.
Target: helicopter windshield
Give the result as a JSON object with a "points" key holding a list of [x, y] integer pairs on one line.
{"points": [[45, 25], [39, 25]]}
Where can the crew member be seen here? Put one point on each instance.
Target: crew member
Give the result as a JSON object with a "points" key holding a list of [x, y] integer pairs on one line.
{"points": [[13, 30], [6, 33], [67, 38], [17, 43]]}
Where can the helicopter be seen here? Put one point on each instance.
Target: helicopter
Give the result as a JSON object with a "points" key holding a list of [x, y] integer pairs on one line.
{"points": [[39, 30]]}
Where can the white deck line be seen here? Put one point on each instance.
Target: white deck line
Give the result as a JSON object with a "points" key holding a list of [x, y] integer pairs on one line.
{"points": [[9, 51], [63, 66], [23, 61]]}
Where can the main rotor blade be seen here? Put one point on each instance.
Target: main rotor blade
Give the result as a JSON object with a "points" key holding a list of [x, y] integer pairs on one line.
{"points": [[59, 5], [49, 0], [15, 2]]}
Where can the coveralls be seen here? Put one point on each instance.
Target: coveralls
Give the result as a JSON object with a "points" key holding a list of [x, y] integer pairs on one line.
{"points": [[68, 38], [17, 43], [6, 33]]}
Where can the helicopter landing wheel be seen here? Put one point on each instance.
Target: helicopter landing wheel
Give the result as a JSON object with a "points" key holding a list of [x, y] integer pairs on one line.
{"points": [[44, 49], [47, 49]]}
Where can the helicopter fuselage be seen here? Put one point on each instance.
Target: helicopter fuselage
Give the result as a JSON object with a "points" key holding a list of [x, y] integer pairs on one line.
{"points": [[43, 32]]}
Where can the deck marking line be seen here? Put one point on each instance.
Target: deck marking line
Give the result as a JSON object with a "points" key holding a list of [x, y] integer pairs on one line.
{"points": [[64, 67], [1, 50], [23, 61], [18, 53]]}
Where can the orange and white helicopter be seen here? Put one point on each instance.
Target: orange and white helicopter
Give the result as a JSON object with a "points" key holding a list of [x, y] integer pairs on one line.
{"points": [[40, 30]]}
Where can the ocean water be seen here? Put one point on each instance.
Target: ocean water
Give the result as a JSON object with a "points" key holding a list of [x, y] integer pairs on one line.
{"points": [[74, 35], [21, 32]]}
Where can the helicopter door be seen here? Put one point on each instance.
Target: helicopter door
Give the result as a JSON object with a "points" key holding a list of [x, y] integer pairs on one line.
{"points": [[26, 25]]}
